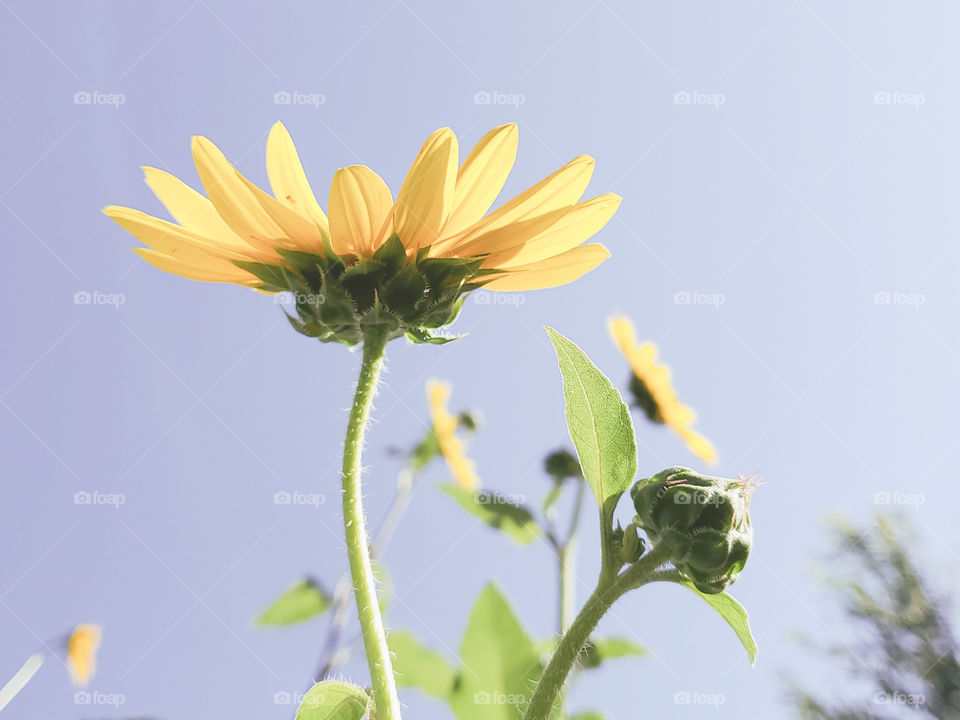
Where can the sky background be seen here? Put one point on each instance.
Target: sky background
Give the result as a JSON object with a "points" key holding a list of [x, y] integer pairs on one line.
{"points": [[803, 200]]}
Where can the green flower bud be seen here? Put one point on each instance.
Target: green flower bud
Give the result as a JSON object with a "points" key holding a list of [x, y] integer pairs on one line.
{"points": [[561, 465], [468, 420], [704, 520]]}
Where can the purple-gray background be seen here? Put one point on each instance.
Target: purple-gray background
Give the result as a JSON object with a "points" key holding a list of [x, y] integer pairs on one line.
{"points": [[790, 167]]}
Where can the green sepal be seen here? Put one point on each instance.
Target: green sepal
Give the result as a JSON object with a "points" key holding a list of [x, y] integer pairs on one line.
{"points": [[420, 335], [271, 275], [405, 290], [392, 255]]}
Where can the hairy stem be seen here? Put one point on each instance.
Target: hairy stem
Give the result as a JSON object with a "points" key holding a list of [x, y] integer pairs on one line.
{"points": [[550, 688], [331, 657], [358, 551]]}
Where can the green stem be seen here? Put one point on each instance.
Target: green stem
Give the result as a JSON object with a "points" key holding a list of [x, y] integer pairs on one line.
{"points": [[549, 689], [567, 559], [358, 551], [567, 556]]}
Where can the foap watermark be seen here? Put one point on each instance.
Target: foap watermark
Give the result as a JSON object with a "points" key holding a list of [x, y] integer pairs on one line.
{"points": [[485, 297], [496, 97], [696, 97], [898, 97], [300, 299], [500, 698], [899, 297], [895, 497], [684, 297], [86, 697], [95, 297], [297, 97], [95, 497], [695, 697], [96, 97], [697, 498], [295, 497], [494, 497], [899, 698], [289, 697]]}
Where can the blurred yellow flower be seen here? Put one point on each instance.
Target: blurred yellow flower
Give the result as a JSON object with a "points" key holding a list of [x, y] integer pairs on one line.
{"points": [[533, 241], [82, 653], [652, 391], [445, 427]]}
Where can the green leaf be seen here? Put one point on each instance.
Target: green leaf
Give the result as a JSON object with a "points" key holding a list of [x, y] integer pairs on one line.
{"points": [[601, 649], [587, 715], [420, 667], [303, 601], [494, 509], [731, 611], [425, 451], [501, 665], [599, 423], [332, 700]]}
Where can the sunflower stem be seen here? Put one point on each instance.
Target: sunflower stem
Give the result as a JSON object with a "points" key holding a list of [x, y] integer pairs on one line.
{"points": [[549, 690], [358, 545]]}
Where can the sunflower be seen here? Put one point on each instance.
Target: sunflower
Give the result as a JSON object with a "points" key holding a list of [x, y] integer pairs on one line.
{"points": [[404, 263], [82, 653], [652, 392], [445, 427]]}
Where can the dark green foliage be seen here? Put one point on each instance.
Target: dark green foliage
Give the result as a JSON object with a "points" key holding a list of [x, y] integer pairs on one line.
{"points": [[906, 662]]}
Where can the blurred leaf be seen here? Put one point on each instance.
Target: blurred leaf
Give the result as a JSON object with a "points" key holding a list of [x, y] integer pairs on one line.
{"points": [[331, 700], [599, 423], [731, 611], [303, 601], [420, 667], [425, 451], [501, 664], [587, 715], [601, 649], [513, 519]]}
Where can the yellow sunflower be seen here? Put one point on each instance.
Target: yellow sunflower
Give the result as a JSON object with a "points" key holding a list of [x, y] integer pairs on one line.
{"points": [[82, 653], [652, 392], [403, 262], [445, 428]]}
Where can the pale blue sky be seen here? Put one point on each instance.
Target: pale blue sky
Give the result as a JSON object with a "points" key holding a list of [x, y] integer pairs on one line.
{"points": [[810, 182]]}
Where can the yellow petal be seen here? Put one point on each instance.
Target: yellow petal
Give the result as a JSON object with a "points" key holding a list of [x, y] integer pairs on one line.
{"points": [[233, 200], [360, 202], [287, 179], [172, 239], [445, 426], [481, 177], [621, 329], [558, 270], [513, 235], [559, 190], [188, 207], [82, 653], [426, 196], [576, 226], [200, 272], [299, 233], [699, 445]]}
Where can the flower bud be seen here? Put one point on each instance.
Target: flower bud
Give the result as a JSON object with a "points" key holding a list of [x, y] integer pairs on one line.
{"points": [[561, 465], [704, 520]]}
